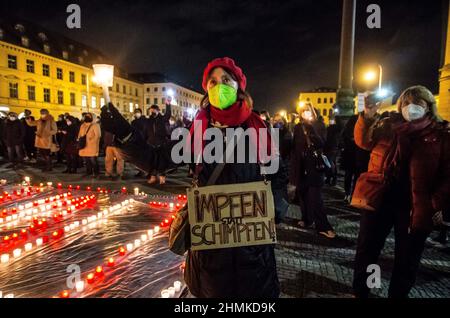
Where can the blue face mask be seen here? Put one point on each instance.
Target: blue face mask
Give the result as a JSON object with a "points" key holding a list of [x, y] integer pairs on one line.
{"points": [[278, 125]]}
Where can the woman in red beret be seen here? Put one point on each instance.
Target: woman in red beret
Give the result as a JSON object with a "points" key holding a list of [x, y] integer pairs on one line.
{"points": [[241, 271]]}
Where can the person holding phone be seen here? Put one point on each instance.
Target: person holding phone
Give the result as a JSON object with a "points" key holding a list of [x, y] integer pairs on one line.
{"points": [[411, 149]]}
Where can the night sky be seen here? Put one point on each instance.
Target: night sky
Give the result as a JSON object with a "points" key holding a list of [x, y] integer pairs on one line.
{"points": [[284, 46]]}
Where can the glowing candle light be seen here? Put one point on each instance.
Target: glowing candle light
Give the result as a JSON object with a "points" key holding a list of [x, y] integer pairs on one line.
{"points": [[49, 184], [99, 271], [144, 237], [59, 186], [39, 241], [64, 294], [28, 247], [4, 258], [17, 252], [111, 262], [90, 278], [150, 233], [156, 230], [129, 247], [165, 293], [79, 286], [171, 292], [67, 229], [27, 179], [177, 286], [136, 191], [137, 243]]}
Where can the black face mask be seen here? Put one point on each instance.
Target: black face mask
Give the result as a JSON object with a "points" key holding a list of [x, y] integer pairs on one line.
{"points": [[88, 120]]}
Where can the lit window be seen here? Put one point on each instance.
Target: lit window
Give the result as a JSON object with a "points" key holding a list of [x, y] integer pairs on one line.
{"points": [[94, 102], [131, 107], [30, 66], [45, 69], [31, 92], [72, 77], [83, 100], [12, 62], [47, 95], [60, 97], [59, 73], [13, 90]]}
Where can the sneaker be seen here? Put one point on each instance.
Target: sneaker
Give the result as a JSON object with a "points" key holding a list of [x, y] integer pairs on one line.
{"points": [[347, 199], [152, 180], [328, 234], [162, 180]]}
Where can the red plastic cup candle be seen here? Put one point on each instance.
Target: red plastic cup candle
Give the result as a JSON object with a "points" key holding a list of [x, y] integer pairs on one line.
{"points": [[124, 190], [122, 251], [59, 186], [111, 262], [99, 271], [90, 278]]}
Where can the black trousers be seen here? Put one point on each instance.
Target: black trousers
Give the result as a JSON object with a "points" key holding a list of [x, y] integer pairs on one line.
{"points": [[161, 160], [350, 178], [92, 167], [72, 162], [312, 207], [409, 246], [47, 159]]}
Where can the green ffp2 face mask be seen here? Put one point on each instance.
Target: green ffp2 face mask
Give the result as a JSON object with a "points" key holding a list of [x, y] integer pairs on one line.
{"points": [[222, 96]]}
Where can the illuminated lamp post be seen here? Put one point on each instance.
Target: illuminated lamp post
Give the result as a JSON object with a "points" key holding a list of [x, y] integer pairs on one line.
{"points": [[104, 77]]}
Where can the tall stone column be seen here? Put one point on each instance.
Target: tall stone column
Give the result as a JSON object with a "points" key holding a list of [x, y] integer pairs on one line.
{"points": [[345, 94], [444, 81]]}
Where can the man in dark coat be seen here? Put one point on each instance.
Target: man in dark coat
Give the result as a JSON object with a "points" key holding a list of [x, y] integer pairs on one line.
{"points": [[331, 150], [30, 135], [139, 125], [13, 136], [158, 137]]}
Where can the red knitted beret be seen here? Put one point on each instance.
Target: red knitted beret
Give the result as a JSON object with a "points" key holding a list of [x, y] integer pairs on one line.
{"points": [[229, 65]]}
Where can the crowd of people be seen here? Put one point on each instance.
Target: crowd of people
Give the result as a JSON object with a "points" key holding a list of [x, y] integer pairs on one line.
{"points": [[396, 163], [44, 141]]}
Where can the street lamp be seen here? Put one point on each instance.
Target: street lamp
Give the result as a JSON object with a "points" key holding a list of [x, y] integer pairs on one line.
{"points": [[104, 77], [372, 75]]}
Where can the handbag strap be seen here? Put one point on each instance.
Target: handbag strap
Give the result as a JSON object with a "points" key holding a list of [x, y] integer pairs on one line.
{"points": [[87, 131]]}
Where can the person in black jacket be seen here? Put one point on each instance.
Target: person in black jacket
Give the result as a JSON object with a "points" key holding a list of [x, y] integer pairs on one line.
{"points": [[331, 150], [309, 140], [139, 125], [158, 137], [69, 148], [30, 135], [13, 136]]}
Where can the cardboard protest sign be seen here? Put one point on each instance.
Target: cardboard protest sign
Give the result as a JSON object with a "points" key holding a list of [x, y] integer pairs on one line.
{"points": [[233, 215]]}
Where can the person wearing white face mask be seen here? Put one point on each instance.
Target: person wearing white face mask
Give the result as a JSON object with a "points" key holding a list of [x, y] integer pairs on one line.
{"points": [[13, 136], [308, 172], [407, 182]]}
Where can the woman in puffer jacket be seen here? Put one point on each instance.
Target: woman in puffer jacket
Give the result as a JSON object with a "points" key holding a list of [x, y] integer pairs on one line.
{"points": [[418, 142], [242, 271]]}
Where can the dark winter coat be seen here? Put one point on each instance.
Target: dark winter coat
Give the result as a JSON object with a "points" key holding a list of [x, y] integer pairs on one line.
{"points": [[158, 128], [233, 272], [13, 133], [303, 165], [69, 140], [140, 126], [427, 170]]}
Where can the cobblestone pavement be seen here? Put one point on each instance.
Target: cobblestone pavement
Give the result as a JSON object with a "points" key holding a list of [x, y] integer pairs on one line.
{"points": [[308, 265]]}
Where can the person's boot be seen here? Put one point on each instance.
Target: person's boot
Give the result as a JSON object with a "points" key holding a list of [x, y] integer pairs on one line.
{"points": [[152, 180], [162, 180]]}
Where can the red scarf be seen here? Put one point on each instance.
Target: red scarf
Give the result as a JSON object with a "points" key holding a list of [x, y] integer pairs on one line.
{"points": [[239, 114]]}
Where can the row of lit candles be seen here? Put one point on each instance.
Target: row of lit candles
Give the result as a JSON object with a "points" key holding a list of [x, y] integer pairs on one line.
{"points": [[170, 292], [99, 271], [39, 224], [31, 209], [56, 234]]}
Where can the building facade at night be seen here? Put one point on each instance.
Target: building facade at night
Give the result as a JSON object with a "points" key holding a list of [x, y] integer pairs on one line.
{"points": [[157, 87], [41, 69], [322, 99]]}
